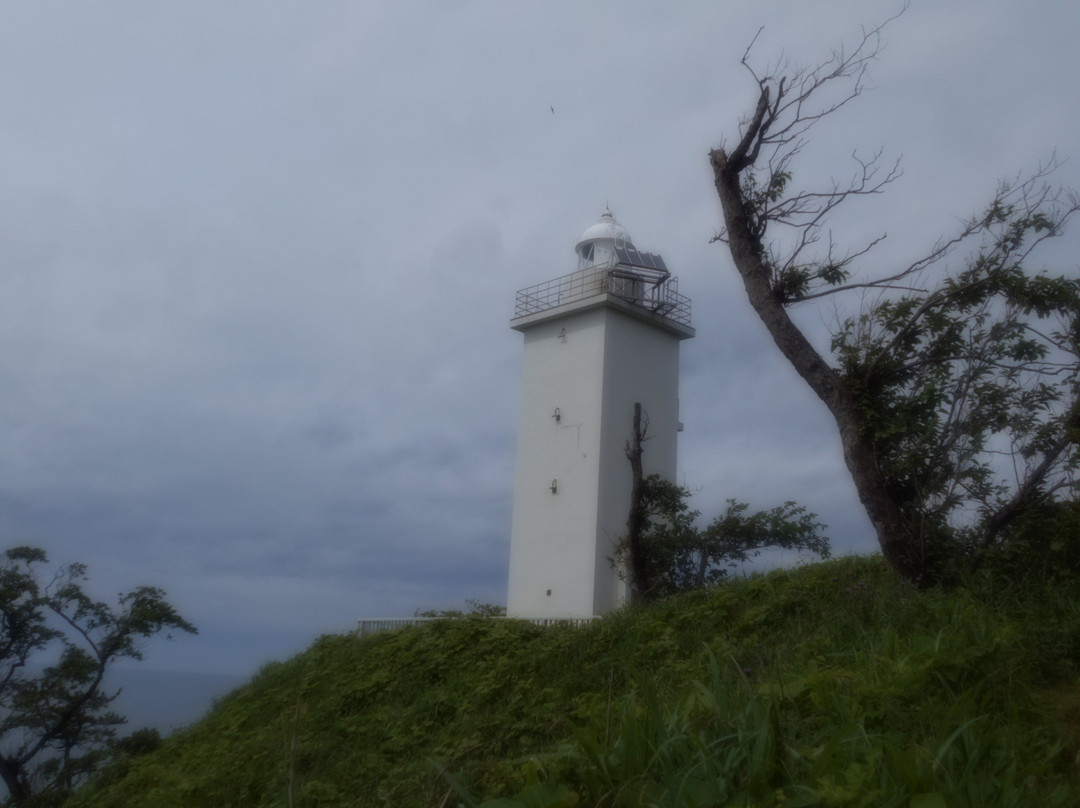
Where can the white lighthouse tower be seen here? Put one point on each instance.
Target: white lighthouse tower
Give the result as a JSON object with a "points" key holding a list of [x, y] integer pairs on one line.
{"points": [[597, 341]]}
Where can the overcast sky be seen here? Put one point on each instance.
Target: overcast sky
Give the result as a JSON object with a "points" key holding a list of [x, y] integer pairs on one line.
{"points": [[258, 259]]}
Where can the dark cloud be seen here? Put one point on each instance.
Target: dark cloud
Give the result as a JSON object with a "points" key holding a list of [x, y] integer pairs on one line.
{"points": [[257, 264]]}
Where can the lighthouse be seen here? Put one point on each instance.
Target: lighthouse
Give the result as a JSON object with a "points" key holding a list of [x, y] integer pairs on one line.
{"points": [[597, 341]]}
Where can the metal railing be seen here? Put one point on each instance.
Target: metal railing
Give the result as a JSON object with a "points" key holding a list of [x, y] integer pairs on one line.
{"points": [[654, 293], [374, 625], [366, 626]]}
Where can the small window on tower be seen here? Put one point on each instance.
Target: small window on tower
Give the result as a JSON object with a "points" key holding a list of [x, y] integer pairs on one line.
{"points": [[587, 252]]}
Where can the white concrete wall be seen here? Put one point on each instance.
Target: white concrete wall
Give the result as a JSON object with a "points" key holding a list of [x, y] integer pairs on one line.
{"points": [[641, 364], [561, 542], [552, 547]]}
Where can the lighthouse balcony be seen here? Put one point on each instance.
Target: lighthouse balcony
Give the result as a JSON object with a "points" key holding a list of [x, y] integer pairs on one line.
{"points": [[645, 284]]}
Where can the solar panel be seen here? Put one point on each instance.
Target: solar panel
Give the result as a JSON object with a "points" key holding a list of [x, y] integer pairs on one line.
{"points": [[635, 258]]}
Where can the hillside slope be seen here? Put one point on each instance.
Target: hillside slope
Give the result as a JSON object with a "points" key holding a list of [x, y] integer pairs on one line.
{"points": [[834, 684]]}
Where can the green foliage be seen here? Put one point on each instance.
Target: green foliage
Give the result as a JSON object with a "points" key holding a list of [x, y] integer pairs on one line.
{"points": [[836, 684], [968, 390], [768, 202], [55, 721], [678, 556], [1041, 544], [476, 608], [913, 698]]}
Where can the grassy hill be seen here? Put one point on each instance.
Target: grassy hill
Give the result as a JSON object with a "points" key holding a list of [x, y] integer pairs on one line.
{"points": [[830, 685]]}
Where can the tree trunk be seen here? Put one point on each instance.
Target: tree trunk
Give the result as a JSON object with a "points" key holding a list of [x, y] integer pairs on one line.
{"points": [[898, 544], [703, 564], [12, 775], [640, 585]]}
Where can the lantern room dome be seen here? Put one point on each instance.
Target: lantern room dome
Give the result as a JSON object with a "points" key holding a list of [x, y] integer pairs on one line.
{"points": [[607, 229], [597, 245]]}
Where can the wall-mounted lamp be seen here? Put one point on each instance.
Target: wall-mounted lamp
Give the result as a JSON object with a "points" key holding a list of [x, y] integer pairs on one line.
{"points": [[554, 486], [562, 335], [557, 416]]}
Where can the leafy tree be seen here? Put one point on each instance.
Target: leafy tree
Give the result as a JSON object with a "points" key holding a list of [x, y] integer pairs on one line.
{"points": [[54, 716], [1041, 545], [955, 394], [477, 608], [676, 556]]}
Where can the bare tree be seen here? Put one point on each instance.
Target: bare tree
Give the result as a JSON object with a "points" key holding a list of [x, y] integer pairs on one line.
{"points": [[955, 395], [640, 574]]}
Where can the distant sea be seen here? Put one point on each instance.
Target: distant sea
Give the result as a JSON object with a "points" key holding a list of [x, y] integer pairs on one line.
{"points": [[167, 701]]}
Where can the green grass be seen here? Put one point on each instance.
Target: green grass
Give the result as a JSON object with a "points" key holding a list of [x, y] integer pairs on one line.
{"points": [[831, 685]]}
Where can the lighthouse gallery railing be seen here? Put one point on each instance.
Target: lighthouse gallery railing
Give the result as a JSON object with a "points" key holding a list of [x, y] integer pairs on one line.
{"points": [[641, 286]]}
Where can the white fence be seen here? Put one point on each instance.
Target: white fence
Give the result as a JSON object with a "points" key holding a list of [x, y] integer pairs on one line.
{"points": [[373, 625]]}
